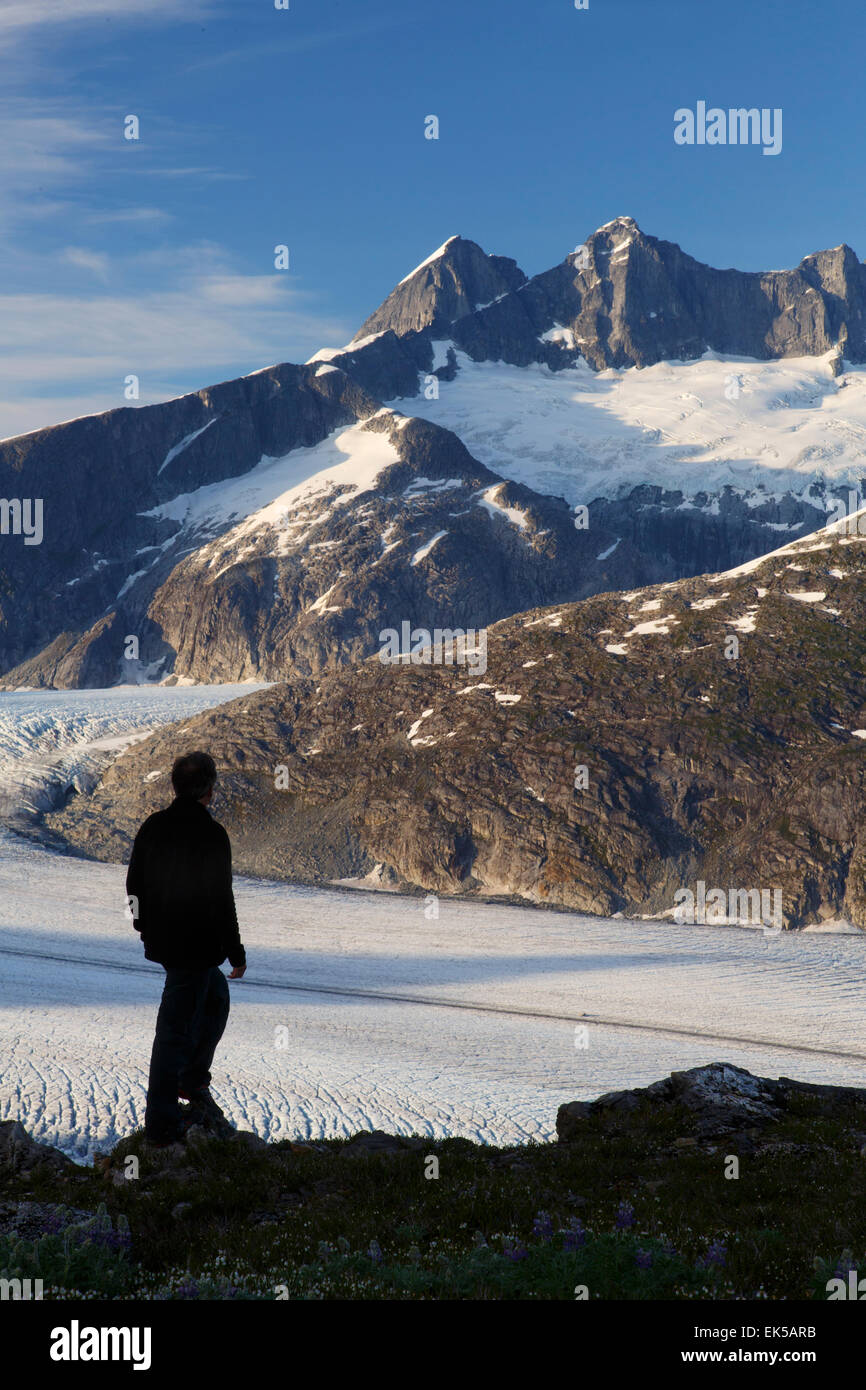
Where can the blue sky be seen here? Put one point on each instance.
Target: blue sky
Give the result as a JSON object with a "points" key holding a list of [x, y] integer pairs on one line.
{"points": [[306, 127]]}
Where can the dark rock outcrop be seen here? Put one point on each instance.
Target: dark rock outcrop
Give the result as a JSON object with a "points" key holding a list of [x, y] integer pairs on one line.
{"points": [[719, 1099], [21, 1154]]}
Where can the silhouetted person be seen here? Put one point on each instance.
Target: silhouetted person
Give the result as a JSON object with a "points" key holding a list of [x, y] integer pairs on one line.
{"points": [[180, 883]]}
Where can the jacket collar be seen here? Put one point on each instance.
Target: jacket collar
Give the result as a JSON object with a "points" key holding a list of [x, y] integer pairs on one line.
{"points": [[185, 806]]}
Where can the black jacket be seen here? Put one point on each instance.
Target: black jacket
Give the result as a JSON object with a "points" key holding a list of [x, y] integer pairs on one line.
{"points": [[180, 880]]}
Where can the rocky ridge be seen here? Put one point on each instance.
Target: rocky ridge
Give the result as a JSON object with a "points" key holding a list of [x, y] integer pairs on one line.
{"points": [[613, 752]]}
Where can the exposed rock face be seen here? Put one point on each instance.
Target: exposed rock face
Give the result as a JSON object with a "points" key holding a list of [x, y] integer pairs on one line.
{"points": [[452, 283], [626, 299], [307, 602], [613, 753], [720, 1098]]}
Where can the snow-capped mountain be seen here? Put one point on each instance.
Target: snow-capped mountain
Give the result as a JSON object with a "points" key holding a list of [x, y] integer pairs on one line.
{"points": [[429, 471]]}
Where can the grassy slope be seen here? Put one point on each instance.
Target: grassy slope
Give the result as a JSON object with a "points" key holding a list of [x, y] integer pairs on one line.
{"points": [[637, 1207]]}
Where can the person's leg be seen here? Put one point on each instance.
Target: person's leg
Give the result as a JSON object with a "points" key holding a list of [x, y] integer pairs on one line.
{"points": [[208, 1027], [173, 1044]]}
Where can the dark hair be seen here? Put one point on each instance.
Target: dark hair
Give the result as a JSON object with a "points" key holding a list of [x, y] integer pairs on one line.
{"points": [[193, 775]]}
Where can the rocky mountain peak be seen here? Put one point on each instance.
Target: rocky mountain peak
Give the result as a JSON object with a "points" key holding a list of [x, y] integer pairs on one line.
{"points": [[623, 298], [455, 280], [620, 226]]}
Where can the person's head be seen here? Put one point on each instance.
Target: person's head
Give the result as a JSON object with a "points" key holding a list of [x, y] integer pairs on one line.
{"points": [[194, 777]]}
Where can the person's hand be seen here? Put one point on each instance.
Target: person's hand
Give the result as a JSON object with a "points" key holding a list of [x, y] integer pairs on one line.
{"points": [[238, 972]]}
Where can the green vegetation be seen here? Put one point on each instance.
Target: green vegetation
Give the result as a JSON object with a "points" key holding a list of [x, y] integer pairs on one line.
{"points": [[638, 1208], [87, 1255]]}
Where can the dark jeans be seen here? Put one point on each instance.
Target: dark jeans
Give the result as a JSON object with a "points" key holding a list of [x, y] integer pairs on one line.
{"points": [[191, 1020]]}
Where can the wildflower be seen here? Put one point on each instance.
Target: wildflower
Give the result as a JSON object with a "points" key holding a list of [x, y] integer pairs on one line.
{"points": [[643, 1259], [542, 1227], [715, 1255], [514, 1249], [625, 1216], [574, 1234], [375, 1252]]}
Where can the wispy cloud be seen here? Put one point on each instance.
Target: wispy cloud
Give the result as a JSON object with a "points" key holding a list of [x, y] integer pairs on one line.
{"points": [[304, 43], [41, 141], [203, 171], [46, 19], [47, 157], [127, 215], [89, 298], [63, 355], [95, 261]]}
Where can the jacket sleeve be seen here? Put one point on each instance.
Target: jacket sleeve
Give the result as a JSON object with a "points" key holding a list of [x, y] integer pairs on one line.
{"points": [[135, 882], [234, 946]]}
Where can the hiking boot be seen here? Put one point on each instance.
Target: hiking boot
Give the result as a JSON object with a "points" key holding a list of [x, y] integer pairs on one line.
{"points": [[184, 1125], [204, 1111]]}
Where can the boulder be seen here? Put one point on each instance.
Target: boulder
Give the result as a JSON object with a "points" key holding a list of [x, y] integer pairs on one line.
{"points": [[21, 1154], [721, 1098]]}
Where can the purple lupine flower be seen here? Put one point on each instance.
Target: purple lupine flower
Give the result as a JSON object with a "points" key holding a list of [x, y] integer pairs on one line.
{"points": [[574, 1234], [542, 1227], [375, 1252], [514, 1249], [625, 1216], [190, 1289], [716, 1253], [643, 1259]]}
